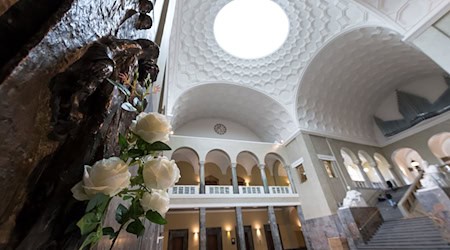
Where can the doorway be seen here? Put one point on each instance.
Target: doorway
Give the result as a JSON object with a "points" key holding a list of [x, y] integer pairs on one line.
{"points": [[178, 239], [248, 238], [214, 238], [269, 240]]}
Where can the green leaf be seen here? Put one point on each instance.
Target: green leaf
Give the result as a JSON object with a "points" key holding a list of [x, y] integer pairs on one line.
{"points": [[136, 228], [127, 197], [123, 143], [100, 201], [88, 223], [133, 153], [91, 239], [141, 144], [158, 146], [155, 217], [109, 231], [121, 214], [137, 180], [120, 87], [136, 210]]}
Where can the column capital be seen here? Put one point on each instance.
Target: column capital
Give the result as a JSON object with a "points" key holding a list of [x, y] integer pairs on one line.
{"points": [[233, 165], [373, 164], [201, 162], [262, 165], [357, 162]]}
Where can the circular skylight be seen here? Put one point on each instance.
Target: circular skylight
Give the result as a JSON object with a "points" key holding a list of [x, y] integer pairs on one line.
{"points": [[251, 29]]}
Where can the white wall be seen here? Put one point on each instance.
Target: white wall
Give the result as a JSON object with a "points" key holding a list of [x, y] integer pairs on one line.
{"points": [[205, 128]]}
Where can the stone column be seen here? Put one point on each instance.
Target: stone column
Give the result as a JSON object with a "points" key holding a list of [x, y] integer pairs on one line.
{"points": [[274, 229], [202, 177], [364, 175], [240, 229], [202, 244], [234, 178], [288, 170], [264, 177], [380, 175]]}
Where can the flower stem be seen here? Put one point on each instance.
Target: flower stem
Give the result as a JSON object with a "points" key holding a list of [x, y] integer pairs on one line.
{"points": [[117, 236]]}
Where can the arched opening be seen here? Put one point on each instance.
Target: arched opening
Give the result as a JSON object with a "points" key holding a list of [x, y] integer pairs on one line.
{"points": [[276, 168], [246, 163], [409, 163], [369, 165], [353, 171], [439, 145], [386, 169], [188, 163], [216, 164]]}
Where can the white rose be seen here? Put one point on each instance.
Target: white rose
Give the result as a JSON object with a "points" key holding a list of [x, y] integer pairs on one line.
{"points": [[160, 173], [157, 201], [151, 127], [108, 176]]}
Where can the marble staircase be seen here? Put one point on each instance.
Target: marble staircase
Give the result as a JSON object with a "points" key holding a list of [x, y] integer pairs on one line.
{"points": [[414, 233]]}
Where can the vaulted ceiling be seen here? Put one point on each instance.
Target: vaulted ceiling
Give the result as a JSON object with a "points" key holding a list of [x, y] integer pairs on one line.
{"points": [[338, 60]]}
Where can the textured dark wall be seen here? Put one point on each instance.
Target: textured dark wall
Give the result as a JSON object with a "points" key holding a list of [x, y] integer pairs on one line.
{"points": [[26, 152]]}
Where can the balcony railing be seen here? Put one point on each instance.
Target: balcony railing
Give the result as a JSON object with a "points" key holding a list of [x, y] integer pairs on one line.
{"points": [[188, 196], [185, 190]]}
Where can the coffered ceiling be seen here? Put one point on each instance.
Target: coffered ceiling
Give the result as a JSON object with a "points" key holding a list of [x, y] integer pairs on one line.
{"points": [[326, 77]]}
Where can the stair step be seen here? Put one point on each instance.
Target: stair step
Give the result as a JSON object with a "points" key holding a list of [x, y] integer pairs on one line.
{"points": [[402, 237], [407, 242], [406, 234], [390, 244], [404, 247]]}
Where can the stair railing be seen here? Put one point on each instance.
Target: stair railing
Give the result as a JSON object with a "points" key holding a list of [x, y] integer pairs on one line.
{"points": [[365, 232], [407, 202]]}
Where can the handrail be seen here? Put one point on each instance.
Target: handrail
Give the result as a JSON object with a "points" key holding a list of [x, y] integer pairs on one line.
{"points": [[406, 203], [370, 219]]}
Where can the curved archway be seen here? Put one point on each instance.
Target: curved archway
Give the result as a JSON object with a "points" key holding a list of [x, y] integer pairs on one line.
{"points": [[409, 162], [439, 145], [273, 163], [369, 166], [359, 66], [248, 160], [386, 169], [267, 118], [217, 162], [187, 160], [350, 162]]}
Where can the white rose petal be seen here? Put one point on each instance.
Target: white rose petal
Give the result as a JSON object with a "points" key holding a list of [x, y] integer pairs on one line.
{"points": [[151, 127], [157, 201], [107, 176], [160, 173]]}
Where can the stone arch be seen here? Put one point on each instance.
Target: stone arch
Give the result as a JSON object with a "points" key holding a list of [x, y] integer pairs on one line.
{"points": [[248, 160], [385, 168], [350, 162], [368, 164], [439, 145], [220, 158], [403, 158], [187, 160]]}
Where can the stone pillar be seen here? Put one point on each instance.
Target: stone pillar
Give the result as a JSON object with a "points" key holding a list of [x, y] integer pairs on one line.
{"points": [[380, 175], [274, 229], [398, 180], [264, 177], [234, 178], [202, 245], [364, 175], [288, 170], [240, 229], [202, 177]]}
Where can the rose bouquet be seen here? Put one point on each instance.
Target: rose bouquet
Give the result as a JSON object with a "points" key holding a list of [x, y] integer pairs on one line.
{"points": [[145, 192]]}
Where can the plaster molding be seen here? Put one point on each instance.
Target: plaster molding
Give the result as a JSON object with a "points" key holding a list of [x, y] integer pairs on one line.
{"points": [[297, 162], [326, 157]]}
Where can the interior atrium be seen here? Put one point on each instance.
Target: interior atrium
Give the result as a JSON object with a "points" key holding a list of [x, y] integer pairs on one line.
{"points": [[295, 124]]}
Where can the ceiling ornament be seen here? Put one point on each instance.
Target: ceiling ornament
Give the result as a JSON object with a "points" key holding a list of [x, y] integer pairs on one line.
{"points": [[197, 58]]}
